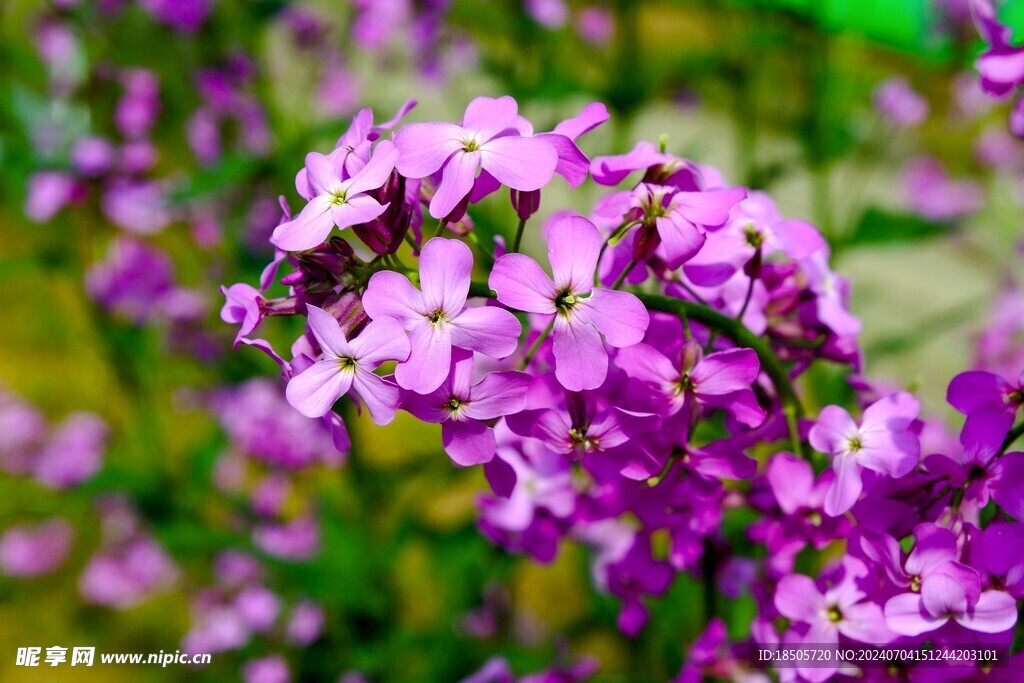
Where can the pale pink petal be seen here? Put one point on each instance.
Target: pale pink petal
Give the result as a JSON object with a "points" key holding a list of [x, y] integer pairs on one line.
{"points": [[995, 612], [846, 488], [356, 211], [522, 284], [520, 163], [380, 396], [377, 169], [380, 340], [321, 174], [791, 480], [797, 598], [573, 247], [429, 360], [424, 147], [680, 239], [490, 330], [647, 364], [445, 268], [456, 181], [488, 116], [307, 230], [328, 332], [905, 614], [581, 361], [619, 316], [391, 295], [314, 391], [468, 442], [834, 426], [497, 394]]}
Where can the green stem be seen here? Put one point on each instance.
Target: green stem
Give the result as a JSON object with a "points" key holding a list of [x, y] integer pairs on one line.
{"points": [[625, 273], [519, 236], [536, 345], [441, 225], [1014, 434], [411, 242]]}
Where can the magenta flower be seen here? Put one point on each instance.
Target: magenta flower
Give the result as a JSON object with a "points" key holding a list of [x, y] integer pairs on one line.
{"points": [[720, 380], [583, 314], [338, 200], [32, 550], [986, 392], [437, 318], [463, 408], [482, 141], [882, 442], [348, 366]]}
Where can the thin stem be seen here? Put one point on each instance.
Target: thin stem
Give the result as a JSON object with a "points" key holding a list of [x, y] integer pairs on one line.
{"points": [[1014, 434], [519, 236], [441, 225], [411, 242], [625, 273], [536, 345], [746, 300]]}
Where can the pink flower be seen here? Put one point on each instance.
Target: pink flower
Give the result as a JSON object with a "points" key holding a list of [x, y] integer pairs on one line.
{"points": [[31, 550], [348, 366], [882, 443], [485, 140], [337, 201], [583, 314], [463, 408], [437, 318]]}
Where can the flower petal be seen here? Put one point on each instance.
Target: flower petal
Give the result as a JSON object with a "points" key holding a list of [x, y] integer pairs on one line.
{"points": [[498, 394], [429, 360], [490, 330], [581, 361], [445, 268], [522, 284], [619, 316], [456, 181], [379, 395], [307, 230], [314, 391], [328, 332], [995, 612], [905, 614], [391, 295], [468, 442], [573, 247], [520, 163], [846, 488], [377, 169], [424, 147], [381, 340]]}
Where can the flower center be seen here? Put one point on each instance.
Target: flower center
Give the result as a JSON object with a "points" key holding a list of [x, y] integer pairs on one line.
{"points": [[1016, 397], [915, 584], [454, 406], [755, 237], [581, 440], [834, 614], [854, 444], [470, 145], [684, 383], [565, 301], [339, 198], [347, 363], [437, 317], [814, 518]]}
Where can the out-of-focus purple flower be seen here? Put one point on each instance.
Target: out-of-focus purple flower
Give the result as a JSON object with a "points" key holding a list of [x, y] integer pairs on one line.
{"points": [[126, 573], [482, 141], [296, 540], [93, 156], [463, 408], [23, 432], [899, 103], [138, 206], [31, 550], [882, 443], [584, 316], [269, 669], [259, 607], [139, 106], [74, 453], [261, 424], [596, 25], [348, 366], [551, 14], [933, 195], [182, 15], [437, 318], [48, 193], [305, 623], [134, 280]]}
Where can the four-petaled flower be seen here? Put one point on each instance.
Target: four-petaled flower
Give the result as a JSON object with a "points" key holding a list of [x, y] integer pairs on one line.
{"points": [[463, 408], [487, 138], [438, 318], [883, 443], [348, 366], [339, 200], [582, 313]]}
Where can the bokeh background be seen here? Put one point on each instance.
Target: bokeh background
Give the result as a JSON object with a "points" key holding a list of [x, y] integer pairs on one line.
{"points": [[143, 145]]}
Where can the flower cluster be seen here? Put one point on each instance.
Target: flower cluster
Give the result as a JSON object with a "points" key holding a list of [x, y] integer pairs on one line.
{"points": [[643, 390]]}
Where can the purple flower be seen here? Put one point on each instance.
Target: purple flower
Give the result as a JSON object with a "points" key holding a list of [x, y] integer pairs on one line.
{"points": [[882, 443], [841, 608], [269, 669], [32, 550], [258, 607], [348, 366], [482, 141], [437, 317], [463, 408], [296, 540], [720, 380], [337, 200], [124, 574], [48, 193], [305, 623], [583, 314], [74, 453], [986, 392], [900, 103]]}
